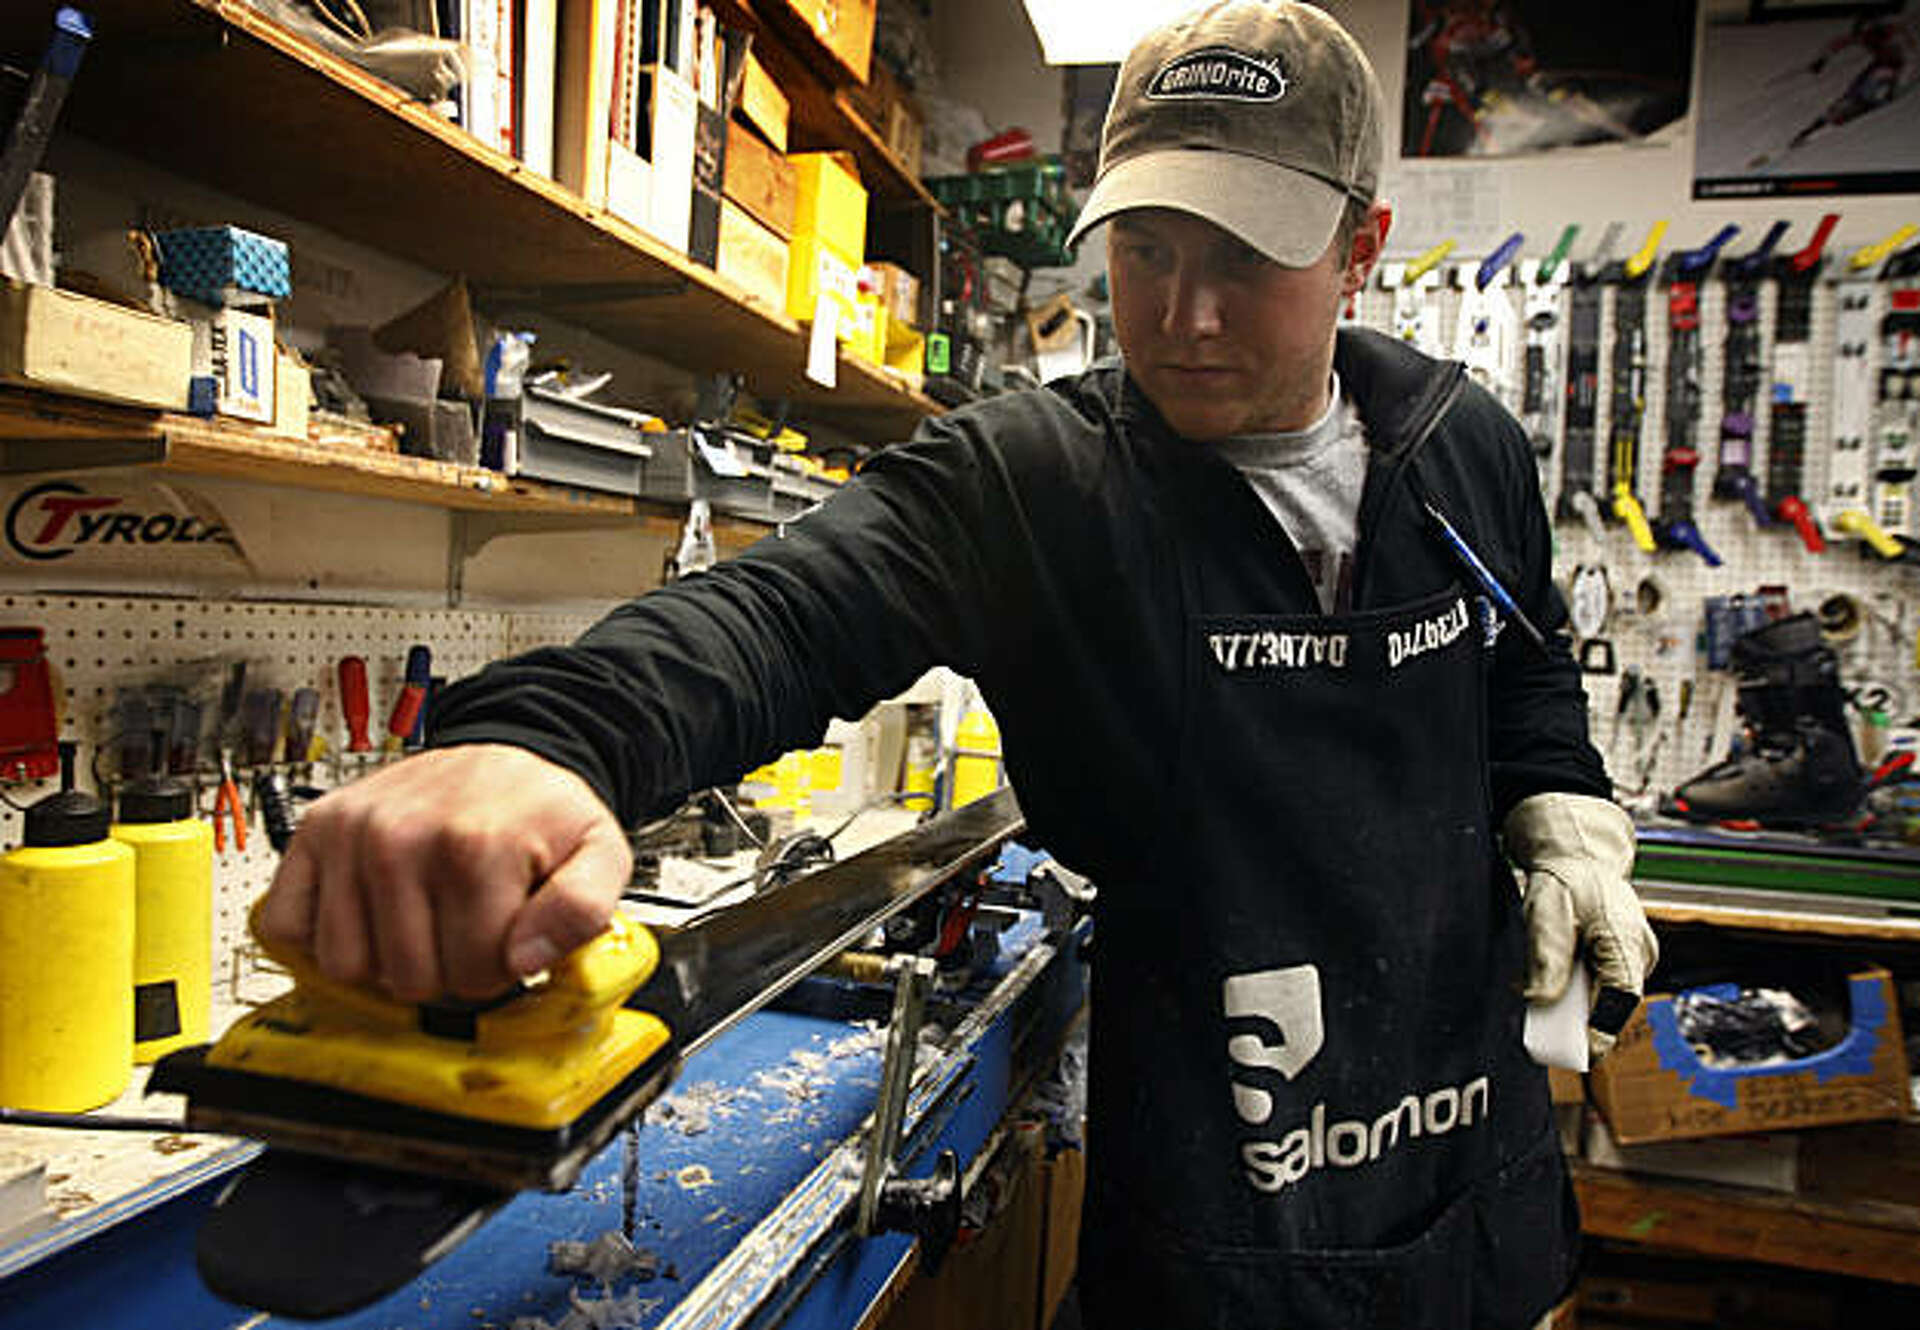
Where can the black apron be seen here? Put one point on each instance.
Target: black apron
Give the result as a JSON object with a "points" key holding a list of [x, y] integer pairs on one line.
{"points": [[1310, 1103]]}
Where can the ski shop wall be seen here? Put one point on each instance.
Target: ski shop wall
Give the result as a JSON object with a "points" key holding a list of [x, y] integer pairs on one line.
{"points": [[992, 61]]}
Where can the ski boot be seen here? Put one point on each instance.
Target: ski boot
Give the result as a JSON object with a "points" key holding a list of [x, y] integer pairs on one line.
{"points": [[1796, 766]]}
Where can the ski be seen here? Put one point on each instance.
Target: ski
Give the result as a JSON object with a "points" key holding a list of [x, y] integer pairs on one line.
{"points": [[1733, 476], [1795, 277], [1850, 463], [1897, 408], [1687, 271], [1543, 283], [1486, 331], [1627, 405], [1577, 496], [354, 1197]]}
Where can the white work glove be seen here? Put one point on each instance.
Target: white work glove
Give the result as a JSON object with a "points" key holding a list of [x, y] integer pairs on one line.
{"points": [[1576, 853]]}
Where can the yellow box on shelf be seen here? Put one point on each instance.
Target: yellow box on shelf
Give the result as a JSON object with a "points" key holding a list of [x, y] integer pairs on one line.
{"points": [[830, 202], [905, 355], [820, 277]]}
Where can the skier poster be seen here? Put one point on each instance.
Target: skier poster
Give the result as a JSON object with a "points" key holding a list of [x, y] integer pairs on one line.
{"points": [[1492, 78], [1819, 105]]}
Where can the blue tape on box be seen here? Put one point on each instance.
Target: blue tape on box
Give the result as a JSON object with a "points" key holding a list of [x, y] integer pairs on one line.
{"points": [[1852, 1056], [211, 263]]}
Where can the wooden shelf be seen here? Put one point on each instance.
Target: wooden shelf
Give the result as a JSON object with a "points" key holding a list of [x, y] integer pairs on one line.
{"points": [[1771, 912], [42, 432], [1866, 1239], [822, 115], [213, 91]]}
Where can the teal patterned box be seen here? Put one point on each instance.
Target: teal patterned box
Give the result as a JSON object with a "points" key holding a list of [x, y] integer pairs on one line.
{"points": [[222, 265]]}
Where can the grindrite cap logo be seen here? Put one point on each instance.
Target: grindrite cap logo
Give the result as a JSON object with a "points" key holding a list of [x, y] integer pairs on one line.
{"points": [[1219, 72]]}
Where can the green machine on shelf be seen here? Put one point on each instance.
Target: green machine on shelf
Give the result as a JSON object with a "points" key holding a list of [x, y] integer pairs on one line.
{"points": [[1021, 211], [1764, 861]]}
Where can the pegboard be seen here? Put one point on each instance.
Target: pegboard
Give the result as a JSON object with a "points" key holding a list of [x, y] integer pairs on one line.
{"points": [[99, 645], [1657, 620]]}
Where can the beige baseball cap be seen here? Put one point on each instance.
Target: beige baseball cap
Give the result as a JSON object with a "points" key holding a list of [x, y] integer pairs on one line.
{"points": [[1263, 118]]}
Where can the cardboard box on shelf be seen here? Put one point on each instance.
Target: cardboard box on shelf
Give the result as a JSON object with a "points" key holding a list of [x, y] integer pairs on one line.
{"points": [[292, 396], [899, 292], [751, 256], [845, 28], [235, 349], [763, 104], [892, 113], [761, 180], [1654, 1087], [70, 343]]}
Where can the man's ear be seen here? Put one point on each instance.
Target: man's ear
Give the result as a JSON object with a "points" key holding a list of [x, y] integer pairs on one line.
{"points": [[1369, 241]]}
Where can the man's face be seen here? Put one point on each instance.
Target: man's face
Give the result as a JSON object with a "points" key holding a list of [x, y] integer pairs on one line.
{"points": [[1222, 339]]}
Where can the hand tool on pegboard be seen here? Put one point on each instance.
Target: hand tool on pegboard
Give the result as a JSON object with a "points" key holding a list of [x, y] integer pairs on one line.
{"points": [[1486, 333], [1578, 498], [1795, 277], [1416, 302], [1628, 401], [407, 703], [29, 725], [1897, 393], [1733, 476], [1687, 272], [1543, 285], [228, 809], [355, 706], [303, 713], [1849, 488]]}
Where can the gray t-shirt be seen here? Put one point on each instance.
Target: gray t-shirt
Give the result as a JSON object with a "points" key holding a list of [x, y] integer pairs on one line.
{"points": [[1310, 480]]}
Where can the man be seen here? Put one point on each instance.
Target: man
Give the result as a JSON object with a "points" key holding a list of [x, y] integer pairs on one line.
{"points": [[1245, 680]]}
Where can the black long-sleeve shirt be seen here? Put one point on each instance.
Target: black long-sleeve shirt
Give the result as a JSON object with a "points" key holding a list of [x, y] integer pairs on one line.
{"points": [[1029, 543]]}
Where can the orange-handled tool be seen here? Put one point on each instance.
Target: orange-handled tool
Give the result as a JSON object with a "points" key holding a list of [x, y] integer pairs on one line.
{"points": [[353, 703]]}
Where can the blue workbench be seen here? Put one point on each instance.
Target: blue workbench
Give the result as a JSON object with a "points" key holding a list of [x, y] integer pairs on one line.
{"points": [[745, 1182]]}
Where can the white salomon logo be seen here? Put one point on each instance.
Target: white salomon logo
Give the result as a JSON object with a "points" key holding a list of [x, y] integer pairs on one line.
{"points": [[1287, 999]]}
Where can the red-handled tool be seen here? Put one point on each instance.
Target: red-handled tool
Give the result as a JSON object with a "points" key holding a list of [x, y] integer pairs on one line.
{"points": [[353, 703], [413, 692]]}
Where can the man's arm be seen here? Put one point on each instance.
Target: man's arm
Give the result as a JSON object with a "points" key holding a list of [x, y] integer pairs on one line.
{"points": [[502, 847], [1553, 802]]}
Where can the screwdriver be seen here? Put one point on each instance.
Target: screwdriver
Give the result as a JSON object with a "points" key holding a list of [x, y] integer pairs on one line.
{"points": [[413, 693], [301, 714], [353, 702]]}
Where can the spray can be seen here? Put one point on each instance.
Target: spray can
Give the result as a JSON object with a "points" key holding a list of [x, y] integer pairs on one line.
{"points": [[66, 956], [173, 914]]}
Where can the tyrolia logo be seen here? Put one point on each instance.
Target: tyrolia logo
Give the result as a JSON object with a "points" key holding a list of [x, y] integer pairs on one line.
{"points": [[59, 518]]}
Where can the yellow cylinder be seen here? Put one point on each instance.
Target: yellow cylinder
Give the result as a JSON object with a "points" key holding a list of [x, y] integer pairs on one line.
{"points": [[976, 759], [66, 965], [173, 933]]}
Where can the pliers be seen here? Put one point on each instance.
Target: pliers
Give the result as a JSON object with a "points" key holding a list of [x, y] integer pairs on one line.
{"points": [[228, 802]]}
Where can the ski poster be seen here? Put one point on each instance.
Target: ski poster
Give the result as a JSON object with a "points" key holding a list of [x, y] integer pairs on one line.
{"points": [[1810, 105], [1497, 78]]}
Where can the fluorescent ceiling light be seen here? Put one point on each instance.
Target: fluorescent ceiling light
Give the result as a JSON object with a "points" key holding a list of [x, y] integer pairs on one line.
{"points": [[1096, 32]]}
